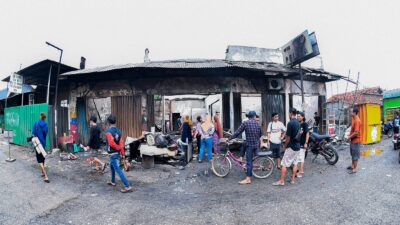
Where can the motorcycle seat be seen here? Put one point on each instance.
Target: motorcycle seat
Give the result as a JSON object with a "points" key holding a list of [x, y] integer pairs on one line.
{"points": [[321, 136]]}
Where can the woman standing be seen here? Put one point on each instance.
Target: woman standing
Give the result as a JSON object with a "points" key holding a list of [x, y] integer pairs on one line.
{"points": [[40, 130], [197, 135], [206, 131], [217, 134]]}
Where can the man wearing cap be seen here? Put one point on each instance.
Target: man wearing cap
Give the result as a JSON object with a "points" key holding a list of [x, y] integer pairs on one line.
{"points": [[253, 133]]}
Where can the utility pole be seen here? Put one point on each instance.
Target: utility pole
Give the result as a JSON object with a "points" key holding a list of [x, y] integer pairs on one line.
{"points": [[55, 95]]}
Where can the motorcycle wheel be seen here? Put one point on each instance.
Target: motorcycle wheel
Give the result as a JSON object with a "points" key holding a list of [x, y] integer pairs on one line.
{"points": [[263, 167], [221, 166], [330, 154]]}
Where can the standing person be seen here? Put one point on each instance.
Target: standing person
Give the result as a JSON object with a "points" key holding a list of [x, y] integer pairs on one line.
{"points": [[276, 132], [40, 130], [94, 142], [206, 131], [218, 134], [292, 149], [115, 149], [197, 134], [253, 133], [179, 123], [317, 120], [355, 138], [305, 135], [396, 123], [187, 130]]}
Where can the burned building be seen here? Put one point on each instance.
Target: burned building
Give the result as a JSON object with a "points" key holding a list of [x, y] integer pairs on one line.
{"points": [[131, 91]]}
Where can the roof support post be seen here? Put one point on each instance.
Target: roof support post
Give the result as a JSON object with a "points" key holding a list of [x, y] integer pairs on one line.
{"points": [[48, 85], [302, 87]]}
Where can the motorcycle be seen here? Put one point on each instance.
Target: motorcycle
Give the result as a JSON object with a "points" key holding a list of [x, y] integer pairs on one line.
{"points": [[387, 129], [322, 145]]}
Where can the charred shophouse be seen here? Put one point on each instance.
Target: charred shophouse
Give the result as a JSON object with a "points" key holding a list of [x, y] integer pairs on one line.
{"points": [[141, 95]]}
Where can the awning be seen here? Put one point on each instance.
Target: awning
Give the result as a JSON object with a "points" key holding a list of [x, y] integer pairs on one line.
{"points": [[25, 89]]}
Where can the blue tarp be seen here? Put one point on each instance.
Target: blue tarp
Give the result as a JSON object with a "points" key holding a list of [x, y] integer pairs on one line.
{"points": [[391, 94], [25, 89]]}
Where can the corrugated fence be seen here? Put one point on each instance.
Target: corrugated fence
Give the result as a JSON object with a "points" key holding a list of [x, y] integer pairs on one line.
{"points": [[20, 120]]}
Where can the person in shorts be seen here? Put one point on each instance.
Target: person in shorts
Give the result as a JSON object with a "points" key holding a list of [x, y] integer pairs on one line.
{"points": [[40, 131], [276, 132], [355, 138], [305, 135], [292, 149]]}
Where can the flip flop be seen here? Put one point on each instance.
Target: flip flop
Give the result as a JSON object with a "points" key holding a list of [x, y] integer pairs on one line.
{"points": [[299, 176], [292, 182], [278, 184], [352, 172], [46, 181], [349, 168], [126, 190], [111, 184], [244, 182]]}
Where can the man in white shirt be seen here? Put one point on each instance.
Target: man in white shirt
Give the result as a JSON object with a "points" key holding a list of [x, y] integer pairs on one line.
{"points": [[276, 132]]}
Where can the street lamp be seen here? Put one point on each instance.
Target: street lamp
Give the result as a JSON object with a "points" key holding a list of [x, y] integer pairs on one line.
{"points": [[55, 95]]}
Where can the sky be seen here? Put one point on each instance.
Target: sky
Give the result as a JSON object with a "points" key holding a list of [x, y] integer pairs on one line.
{"points": [[359, 36]]}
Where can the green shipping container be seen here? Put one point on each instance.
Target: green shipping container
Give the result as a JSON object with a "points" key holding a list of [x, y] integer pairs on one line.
{"points": [[20, 120]]}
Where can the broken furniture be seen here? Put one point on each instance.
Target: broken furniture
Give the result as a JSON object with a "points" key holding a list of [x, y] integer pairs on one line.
{"points": [[149, 152]]}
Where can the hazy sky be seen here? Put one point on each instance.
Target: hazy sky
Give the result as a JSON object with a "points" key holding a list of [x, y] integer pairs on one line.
{"points": [[358, 35]]}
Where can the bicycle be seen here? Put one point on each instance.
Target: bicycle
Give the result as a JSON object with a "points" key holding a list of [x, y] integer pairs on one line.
{"points": [[263, 165]]}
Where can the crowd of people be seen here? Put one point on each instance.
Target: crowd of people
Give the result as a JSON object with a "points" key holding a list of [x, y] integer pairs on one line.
{"points": [[288, 144]]}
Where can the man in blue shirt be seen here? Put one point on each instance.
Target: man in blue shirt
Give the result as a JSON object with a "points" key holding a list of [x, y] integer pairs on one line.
{"points": [[40, 130], [292, 148], [253, 135], [396, 123]]}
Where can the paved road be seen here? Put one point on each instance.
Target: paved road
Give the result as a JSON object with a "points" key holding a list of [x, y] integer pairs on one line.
{"points": [[166, 195]]}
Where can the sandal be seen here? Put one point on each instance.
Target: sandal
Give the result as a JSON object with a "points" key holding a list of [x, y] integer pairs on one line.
{"points": [[350, 168], [292, 182], [111, 184], [244, 182], [46, 181], [278, 183], [126, 190], [299, 175], [352, 172]]}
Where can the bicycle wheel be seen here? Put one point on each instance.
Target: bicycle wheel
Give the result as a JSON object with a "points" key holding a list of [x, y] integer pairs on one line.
{"points": [[263, 167], [221, 166]]}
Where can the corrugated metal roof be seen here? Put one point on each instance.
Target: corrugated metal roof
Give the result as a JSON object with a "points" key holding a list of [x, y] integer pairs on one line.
{"points": [[25, 89], [204, 64], [367, 95], [392, 93]]}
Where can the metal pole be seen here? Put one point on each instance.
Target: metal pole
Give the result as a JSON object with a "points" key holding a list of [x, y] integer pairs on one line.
{"points": [[341, 108], [56, 93], [163, 114], [9, 159], [48, 85], [355, 92], [302, 86]]}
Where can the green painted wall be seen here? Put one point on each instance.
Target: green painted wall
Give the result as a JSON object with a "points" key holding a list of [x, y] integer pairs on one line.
{"points": [[390, 103], [20, 120]]}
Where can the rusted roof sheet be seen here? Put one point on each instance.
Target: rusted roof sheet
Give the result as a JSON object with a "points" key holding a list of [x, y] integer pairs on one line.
{"points": [[367, 95], [205, 64]]}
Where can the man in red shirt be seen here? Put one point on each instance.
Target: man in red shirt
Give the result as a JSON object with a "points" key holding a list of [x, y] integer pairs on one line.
{"points": [[355, 138]]}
